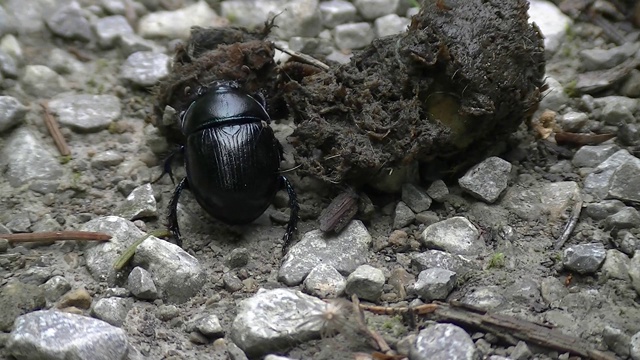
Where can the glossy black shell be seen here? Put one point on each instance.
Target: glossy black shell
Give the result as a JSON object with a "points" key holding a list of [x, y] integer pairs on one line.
{"points": [[231, 155]]}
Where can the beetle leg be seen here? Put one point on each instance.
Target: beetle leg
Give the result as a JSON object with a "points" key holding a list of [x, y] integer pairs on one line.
{"points": [[173, 210], [166, 167], [293, 218]]}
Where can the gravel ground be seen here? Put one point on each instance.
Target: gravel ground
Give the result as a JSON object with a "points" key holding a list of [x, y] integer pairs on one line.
{"points": [[490, 238]]}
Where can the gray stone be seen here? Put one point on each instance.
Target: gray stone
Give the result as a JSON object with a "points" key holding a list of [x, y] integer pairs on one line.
{"points": [[443, 342], [178, 23], [141, 203], [634, 271], [68, 22], [27, 159], [573, 121], [598, 182], [629, 134], [86, 113], [634, 346], [524, 291], [44, 186], [19, 223], [177, 275], [337, 12], [455, 235], [54, 288], [8, 65], [554, 98], [10, 45], [435, 284], [276, 319], [598, 59], [353, 35], [373, 9], [615, 114], [632, 105], [209, 326], [141, 284], [112, 310], [63, 62], [237, 258], [391, 24], [616, 265], [302, 18], [584, 258], [403, 216], [627, 218], [12, 112], [324, 281], [552, 22], [109, 29], [311, 45], [631, 86], [416, 198], [440, 259], [438, 191], [100, 257], [145, 68], [366, 282], [132, 43], [552, 199], [552, 290], [344, 251], [37, 275], [624, 184], [488, 297], [41, 81], [17, 298], [487, 180], [231, 282], [617, 341], [7, 25], [106, 159], [521, 351], [4, 245], [592, 156], [602, 209], [59, 336], [250, 14]]}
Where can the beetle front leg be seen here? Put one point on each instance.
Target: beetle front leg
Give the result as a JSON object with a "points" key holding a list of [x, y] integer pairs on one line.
{"points": [[166, 166], [293, 218], [174, 228]]}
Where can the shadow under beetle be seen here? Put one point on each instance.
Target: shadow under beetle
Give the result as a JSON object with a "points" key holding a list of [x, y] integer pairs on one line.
{"points": [[232, 158]]}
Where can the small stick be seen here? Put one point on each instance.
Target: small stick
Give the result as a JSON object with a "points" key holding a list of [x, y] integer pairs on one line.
{"points": [[304, 58], [48, 236], [380, 342], [573, 221], [54, 130]]}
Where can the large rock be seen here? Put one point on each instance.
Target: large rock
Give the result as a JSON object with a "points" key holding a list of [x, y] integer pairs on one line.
{"points": [[177, 275], [56, 335]]}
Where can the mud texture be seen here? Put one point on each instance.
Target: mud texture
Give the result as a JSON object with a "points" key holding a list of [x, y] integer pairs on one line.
{"points": [[465, 75]]}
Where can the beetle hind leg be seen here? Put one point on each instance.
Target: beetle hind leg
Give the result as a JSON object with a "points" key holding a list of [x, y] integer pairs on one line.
{"points": [[293, 218], [166, 166], [172, 218]]}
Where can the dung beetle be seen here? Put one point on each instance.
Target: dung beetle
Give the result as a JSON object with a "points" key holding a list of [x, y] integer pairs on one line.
{"points": [[232, 158]]}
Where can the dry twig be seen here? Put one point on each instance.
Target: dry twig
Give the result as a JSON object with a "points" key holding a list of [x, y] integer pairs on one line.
{"points": [[48, 236], [571, 224], [54, 130], [304, 58]]}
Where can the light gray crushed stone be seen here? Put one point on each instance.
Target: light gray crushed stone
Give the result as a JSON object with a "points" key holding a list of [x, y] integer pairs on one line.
{"points": [[584, 258], [28, 159], [366, 282], [50, 334], [435, 284], [324, 281], [139, 204], [86, 113], [141, 284], [445, 342], [345, 252], [487, 180], [456, 235], [145, 68]]}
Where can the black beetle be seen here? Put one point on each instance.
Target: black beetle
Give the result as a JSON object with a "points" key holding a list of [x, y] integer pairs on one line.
{"points": [[232, 158]]}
